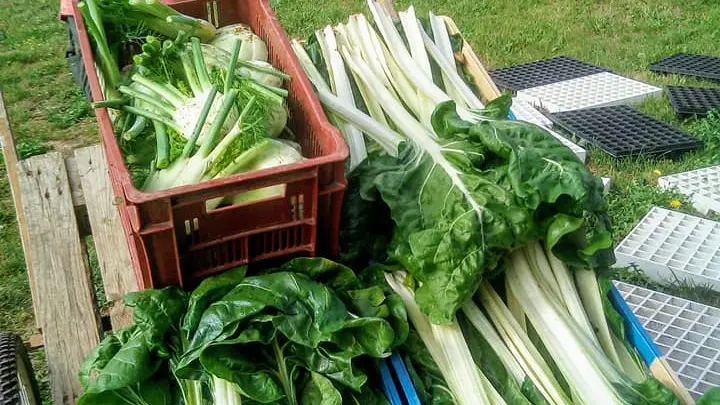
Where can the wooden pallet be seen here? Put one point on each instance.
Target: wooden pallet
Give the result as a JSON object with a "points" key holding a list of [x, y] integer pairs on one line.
{"points": [[59, 202]]}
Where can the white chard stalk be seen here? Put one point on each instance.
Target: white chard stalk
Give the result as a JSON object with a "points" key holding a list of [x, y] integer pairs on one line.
{"points": [[591, 376], [448, 348]]}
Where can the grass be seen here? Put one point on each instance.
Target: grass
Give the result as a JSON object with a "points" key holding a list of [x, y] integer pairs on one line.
{"points": [[48, 112]]}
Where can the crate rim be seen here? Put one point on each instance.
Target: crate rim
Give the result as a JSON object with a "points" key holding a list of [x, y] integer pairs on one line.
{"points": [[137, 196]]}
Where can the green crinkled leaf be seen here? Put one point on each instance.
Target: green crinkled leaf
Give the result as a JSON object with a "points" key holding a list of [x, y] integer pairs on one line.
{"points": [[155, 312], [130, 365], [649, 392], [461, 202], [320, 391], [151, 392], [308, 312], [368, 396], [270, 331], [98, 358], [366, 226], [334, 275], [336, 365], [499, 108], [711, 397], [210, 290], [366, 335], [251, 375]]}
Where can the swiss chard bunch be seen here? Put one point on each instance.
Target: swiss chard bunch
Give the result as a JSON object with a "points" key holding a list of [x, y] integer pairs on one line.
{"points": [[131, 365], [309, 332], [462, 200], [296, 335]]}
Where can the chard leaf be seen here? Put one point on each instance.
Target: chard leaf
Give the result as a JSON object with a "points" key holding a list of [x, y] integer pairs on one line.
{"points": [[649, 392], [155, 312], [209, 291], [320, 391], [334, 275], [711, 397], [308, 312], [151, 392], [130, 365], [368, 396], [462, 201], [232, 363], [335, 365]]}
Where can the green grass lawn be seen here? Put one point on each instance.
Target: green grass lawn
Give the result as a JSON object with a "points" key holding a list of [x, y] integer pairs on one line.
{"points": [[47, 111]]}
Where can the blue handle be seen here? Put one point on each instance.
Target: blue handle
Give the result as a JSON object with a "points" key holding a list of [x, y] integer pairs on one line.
{"points": [[406, 383], [511, 116], [636, 334], [391, 391]]}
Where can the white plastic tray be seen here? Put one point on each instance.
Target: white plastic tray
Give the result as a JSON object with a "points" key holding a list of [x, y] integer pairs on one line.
{"points": [[702, 186], [597, 90], [668, 246], [524, 111], [687, 333]]}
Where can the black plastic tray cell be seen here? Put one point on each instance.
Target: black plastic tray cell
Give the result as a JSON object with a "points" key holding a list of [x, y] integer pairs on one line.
{"points": [[693, 101], [543, 72], [623, 131], [704, 66]]}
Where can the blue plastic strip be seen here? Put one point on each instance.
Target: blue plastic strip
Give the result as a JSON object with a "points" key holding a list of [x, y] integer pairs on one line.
{"points": [[406, 384], [389, 387], [634, 330], [511, 115]]}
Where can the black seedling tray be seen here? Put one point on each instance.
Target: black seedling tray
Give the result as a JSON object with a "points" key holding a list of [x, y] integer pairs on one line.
{"points": [[693, 101], [623, 131], [541, 72], [704, 66]]}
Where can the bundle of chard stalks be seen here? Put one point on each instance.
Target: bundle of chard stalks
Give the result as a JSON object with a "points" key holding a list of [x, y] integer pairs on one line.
{"points": [[495, 236], [193, 103]]}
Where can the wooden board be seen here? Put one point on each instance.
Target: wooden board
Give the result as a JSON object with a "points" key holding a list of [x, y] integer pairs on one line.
{"points": [[480, 75], [115, 265], [64, 297], [7, 143]]}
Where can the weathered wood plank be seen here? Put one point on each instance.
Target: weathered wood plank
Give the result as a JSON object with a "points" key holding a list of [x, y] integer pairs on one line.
{"points": [[78, 198], [64, 294], [481, 77], [115, 265], [7, 144]]}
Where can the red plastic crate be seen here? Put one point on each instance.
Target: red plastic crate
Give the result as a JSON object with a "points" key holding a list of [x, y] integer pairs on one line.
{"points": [[173, 240]]}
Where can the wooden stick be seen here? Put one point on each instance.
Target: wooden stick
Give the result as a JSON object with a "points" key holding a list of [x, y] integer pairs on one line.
{"points": [[7, 144]]}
